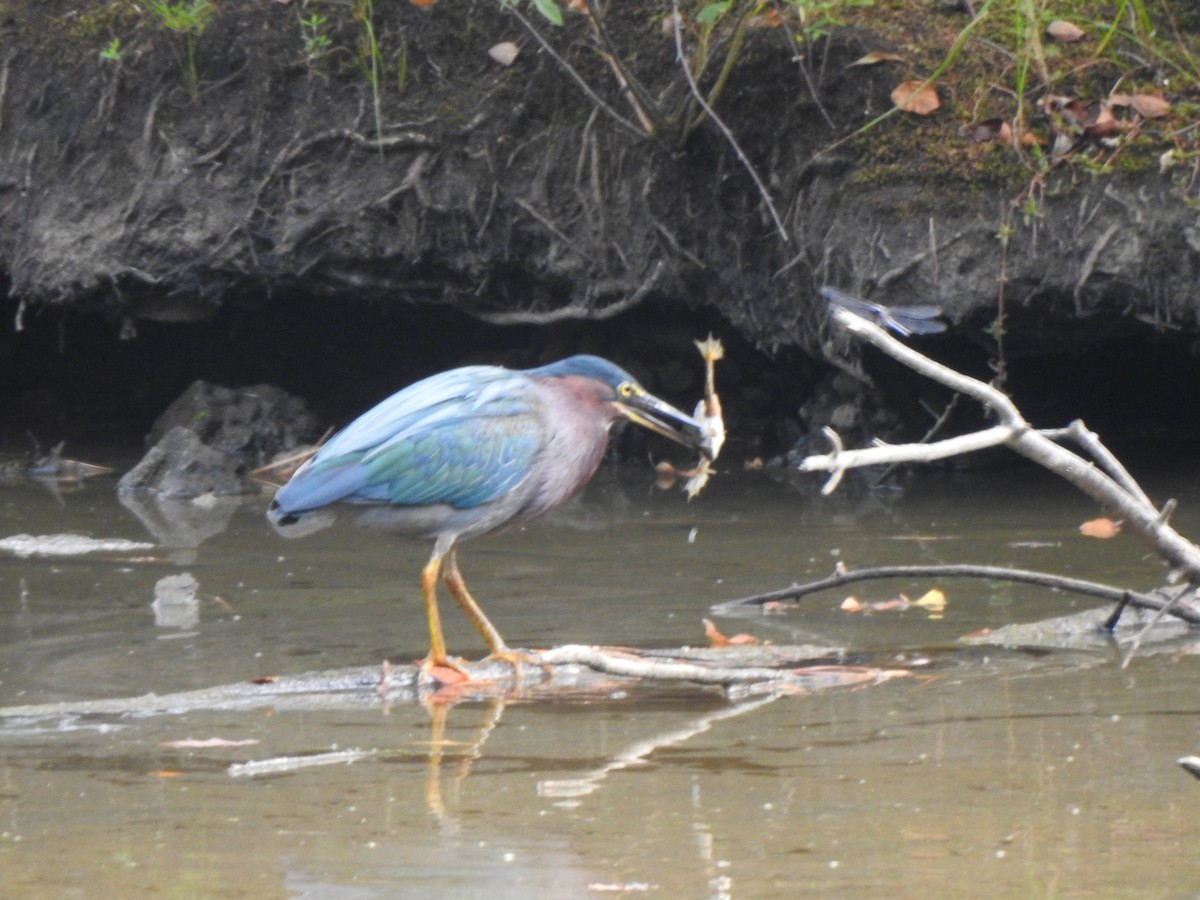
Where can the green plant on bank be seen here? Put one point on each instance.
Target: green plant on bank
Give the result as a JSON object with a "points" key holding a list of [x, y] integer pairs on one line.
{"points": [[312, 31], [370, 59], [188, 19], [112, 50]]}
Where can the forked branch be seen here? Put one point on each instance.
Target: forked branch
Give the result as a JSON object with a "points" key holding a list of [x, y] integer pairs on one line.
{"points": [[1101, 477]]}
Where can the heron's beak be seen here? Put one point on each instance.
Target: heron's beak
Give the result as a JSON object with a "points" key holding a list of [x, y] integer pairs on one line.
{"points": [[661, 417]]}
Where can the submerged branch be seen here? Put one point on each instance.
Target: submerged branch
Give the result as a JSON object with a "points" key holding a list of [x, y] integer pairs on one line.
{"points": [[994, 573]]}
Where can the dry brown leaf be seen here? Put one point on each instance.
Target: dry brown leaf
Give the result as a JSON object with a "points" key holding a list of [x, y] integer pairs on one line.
{"points": [[875, 57], [1149, 106], [1102, 528], [1066, 32], [505, 53], [916, 97]]}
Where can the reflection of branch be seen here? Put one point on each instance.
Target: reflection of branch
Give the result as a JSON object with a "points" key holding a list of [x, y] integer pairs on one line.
{"points": [[994, 573], [1109, 483], [695, 89], [636, 753]]}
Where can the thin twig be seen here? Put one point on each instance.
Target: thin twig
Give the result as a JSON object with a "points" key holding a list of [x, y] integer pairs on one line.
{"points": [[1169, 607]]}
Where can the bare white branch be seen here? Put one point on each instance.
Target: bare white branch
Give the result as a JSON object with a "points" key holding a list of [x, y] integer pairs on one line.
{"points": [[1108, 483]]}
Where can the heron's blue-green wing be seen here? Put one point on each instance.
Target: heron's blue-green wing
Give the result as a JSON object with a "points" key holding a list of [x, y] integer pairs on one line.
{"points": [[463, 438]]}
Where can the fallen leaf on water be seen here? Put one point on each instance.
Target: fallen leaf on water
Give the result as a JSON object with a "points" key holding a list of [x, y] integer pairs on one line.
{"points": [[1100, 528], [1066, 32], [505, 53], [266, 679], [717, 639], [166, 773], [916, 97], [875, 57], [982, 632], [934, 601], [199, 743], [854, 605]]}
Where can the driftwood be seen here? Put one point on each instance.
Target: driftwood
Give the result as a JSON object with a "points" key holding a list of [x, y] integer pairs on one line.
{"points": [[738, 670]]}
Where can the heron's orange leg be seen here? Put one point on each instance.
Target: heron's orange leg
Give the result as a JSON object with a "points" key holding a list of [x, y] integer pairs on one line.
{"points": [[458, 588], [437, 642]]}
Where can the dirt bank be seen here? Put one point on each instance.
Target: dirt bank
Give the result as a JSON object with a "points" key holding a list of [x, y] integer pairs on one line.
{"points": [[383, 163]]}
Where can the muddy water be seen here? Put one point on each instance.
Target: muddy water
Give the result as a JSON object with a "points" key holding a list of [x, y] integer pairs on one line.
{"points": [[996, 773]]}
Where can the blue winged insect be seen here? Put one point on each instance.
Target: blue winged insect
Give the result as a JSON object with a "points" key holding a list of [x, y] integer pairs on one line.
{"points": [[904, 320]]}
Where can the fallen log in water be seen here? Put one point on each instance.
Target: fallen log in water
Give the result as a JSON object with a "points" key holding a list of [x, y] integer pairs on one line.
{"points": [[561, 671]]}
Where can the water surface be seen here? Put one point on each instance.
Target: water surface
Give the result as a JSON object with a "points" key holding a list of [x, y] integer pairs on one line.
{"points": [[993, 773]]}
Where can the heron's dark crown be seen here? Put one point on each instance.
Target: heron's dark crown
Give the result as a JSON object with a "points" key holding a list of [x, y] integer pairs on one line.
{"points": [[585, 366]]}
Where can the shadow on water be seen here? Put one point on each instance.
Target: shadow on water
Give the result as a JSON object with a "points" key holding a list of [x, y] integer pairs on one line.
{"points": [[988, 772]]}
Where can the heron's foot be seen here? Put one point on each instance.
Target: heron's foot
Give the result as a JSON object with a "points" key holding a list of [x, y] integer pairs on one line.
{"points": [[516, 659], [435, 668]]}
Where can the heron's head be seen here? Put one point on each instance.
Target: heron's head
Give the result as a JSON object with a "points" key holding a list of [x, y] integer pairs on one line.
{"points": [[620, 392]]}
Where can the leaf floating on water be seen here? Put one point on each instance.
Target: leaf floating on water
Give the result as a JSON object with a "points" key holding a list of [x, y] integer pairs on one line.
{"points": [[1102, 528], [717, 639], [934, 601], [1065, 32], [916, 97]]}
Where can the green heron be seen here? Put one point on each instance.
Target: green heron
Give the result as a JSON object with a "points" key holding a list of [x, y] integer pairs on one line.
{"points": [[472, 451]]}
